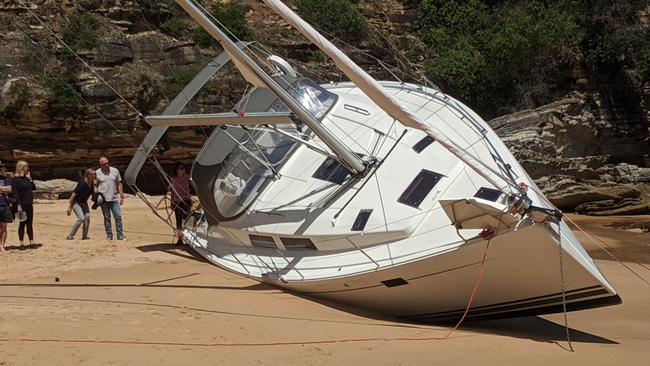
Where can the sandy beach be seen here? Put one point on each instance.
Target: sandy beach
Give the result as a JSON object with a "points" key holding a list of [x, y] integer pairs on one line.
{"points": [[148, 302]]}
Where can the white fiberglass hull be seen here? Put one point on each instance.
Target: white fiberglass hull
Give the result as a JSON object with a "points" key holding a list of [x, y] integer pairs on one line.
{"points": [[521, 276]]}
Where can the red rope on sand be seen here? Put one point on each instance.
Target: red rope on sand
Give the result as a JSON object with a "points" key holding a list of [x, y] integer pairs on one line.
{"points": [[329, 341]]}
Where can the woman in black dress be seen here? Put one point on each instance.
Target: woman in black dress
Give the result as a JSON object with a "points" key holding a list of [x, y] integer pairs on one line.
{"points": [[22, 187]]}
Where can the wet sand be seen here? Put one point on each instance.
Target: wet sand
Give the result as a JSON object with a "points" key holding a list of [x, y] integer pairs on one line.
{"points": [[146, 301]]}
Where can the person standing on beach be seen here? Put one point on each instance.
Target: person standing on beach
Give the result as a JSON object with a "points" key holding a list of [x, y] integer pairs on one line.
{"points": [[180, 197], [108, 183], [6, 216], [22, 188], [79, 204]]}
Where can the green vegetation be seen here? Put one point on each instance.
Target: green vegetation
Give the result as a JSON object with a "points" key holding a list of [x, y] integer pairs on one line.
{"points": [[81, 32], [66, 99], [15, 99], [232, 16], [175, 27], [501, 55], [180, 78], [338, 17], [144, 85]]}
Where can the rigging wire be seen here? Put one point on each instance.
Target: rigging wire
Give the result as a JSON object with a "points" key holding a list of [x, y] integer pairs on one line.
{"points": [[563, 287], [123, 134], [78, 57], [593, 239]]}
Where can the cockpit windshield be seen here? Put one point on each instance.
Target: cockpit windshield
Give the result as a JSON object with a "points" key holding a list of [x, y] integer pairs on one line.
{"points": [[258, 152], [314, 98]]}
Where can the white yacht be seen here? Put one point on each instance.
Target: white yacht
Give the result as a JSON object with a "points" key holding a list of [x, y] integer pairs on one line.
{"points": [[388, 196]]}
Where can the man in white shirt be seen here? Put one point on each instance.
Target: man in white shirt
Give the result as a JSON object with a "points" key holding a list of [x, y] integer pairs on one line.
{"points": [[109, 184]]}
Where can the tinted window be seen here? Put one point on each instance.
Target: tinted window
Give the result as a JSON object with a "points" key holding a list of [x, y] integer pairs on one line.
{"points": [[422, 144], [361, 220], [418, 190], [488, 194]]}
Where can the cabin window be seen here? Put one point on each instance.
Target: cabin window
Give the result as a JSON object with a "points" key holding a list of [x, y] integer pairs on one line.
{"points": [[422, 144], [488, 194], [298, 243], [332, 171], [262, 241], [361, 220], [418, 190]]}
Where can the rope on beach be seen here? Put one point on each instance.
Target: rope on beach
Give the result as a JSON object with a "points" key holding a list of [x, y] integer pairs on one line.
{"points": [[218, 344], [562, 285]]}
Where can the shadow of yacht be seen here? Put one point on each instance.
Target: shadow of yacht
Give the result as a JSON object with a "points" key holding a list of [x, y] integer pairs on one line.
{"points": [[182, 251], [534, 328]]}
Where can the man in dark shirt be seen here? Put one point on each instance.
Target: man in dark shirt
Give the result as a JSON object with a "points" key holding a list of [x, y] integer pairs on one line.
{"points": [[6, 216]]}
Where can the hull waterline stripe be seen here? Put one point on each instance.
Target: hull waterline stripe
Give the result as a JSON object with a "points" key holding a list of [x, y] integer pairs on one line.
{"points": [[513, 306], [556, 308]]}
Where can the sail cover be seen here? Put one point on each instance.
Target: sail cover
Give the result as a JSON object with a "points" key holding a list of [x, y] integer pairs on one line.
{"points": [[378, 94]]}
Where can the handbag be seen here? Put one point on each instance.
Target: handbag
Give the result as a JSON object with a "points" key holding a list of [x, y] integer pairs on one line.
{"points": [[13, 205], [21, 216], [11, 201]]}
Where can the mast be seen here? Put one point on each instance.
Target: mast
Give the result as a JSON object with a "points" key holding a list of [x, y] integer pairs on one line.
{"points": [[258, 77], [378, 95]]}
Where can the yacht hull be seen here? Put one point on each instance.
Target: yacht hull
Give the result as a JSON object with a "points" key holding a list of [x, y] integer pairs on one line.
{"points": [[522, 274]]}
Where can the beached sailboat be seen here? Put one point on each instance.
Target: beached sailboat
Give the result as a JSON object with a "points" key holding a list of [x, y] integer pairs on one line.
{"points": [[385, 195]]}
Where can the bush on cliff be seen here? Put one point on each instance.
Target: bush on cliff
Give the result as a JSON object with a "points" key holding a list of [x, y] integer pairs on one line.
{"points": [[66, 100], [501, 56], [338, 17], [15, 98], [232, 16], [81, 32]]}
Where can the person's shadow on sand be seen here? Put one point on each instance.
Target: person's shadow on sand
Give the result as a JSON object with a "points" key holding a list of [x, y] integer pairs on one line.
{"points": [[23, 247]]}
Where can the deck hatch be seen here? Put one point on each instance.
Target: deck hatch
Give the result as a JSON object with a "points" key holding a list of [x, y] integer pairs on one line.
{"points": [[262, 241], [332, 171], [395, 282], [422, 144], [419, 188], [488, 194], [298, 243], [361, 220]]}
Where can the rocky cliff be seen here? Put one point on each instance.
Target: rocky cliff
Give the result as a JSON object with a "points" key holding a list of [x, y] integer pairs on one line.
{"points": [[588, 151]]}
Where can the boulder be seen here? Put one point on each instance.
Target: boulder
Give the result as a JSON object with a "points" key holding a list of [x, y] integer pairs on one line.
{"points": [[582, 153]]}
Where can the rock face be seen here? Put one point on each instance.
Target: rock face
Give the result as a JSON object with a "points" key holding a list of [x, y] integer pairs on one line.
{"points": [[587, 152]]}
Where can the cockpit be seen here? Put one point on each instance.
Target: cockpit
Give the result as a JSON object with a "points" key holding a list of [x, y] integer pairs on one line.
{"points": [[251, 156]]}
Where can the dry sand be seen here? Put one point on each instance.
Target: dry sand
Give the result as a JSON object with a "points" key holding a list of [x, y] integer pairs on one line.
{"points": [[147, 302]]}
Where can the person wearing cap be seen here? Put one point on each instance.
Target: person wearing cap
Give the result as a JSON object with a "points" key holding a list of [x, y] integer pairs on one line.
{"points": [[22, 187], [6, 216], [108, 183]]}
